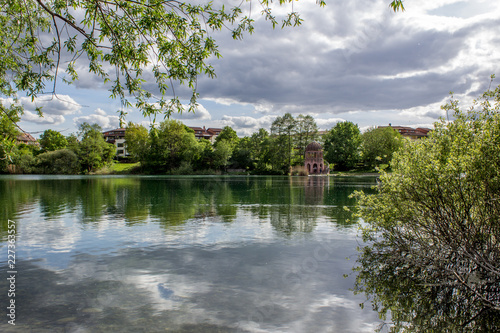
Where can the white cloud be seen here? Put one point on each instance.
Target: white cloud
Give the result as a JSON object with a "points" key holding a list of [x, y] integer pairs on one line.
{"points": [[225, 101], [200, 114], [245, 125], [101, 118], [46, 119], [60, 105], [53, 109], [326, 124]]}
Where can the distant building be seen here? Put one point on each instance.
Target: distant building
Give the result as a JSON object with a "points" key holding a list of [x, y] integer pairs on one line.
{"points": [[313, 159], [203, 133], [409, 132], [27, 138], [117, 137], [322, 133]]}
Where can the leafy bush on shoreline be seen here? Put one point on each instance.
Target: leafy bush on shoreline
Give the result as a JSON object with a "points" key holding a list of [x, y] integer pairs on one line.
{"points": [[434, 227]]}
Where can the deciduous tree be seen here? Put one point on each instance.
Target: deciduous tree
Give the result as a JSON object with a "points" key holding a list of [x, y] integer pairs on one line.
{"points": [[171, 144], [378, 146], [137, 140], [343, 146], [282, 130], [306, 131], [93, 151], [51, 140], [433, 227], [229, 135]]}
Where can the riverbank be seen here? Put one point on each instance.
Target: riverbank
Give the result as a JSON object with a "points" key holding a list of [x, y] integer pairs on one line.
{"points": [[135, 169]]}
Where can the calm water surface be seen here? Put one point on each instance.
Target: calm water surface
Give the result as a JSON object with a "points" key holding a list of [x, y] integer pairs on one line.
{"points": [[182, 254]]}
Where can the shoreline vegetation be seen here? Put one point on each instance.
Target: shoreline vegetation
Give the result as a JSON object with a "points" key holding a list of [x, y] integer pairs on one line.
{"points": [[173, 148], [134, 168], [431, 262]]}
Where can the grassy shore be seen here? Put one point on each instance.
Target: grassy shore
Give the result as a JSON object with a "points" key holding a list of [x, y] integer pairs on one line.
{"points": [[119, 169]]}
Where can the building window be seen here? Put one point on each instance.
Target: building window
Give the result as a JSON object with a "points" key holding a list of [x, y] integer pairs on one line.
{"points": [[120, 145], [119, 152]]}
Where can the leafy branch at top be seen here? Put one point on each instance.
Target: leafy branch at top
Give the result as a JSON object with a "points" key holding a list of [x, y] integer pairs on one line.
{"points": [[126, 43]]}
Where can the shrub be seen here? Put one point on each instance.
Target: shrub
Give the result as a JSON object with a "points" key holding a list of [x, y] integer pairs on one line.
{"points": [[433, 225], [63, 161]]}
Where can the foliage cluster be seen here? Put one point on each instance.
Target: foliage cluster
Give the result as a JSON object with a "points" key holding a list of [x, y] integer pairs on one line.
{"points": [[347, 149], [172, 147], [434, 230], [60, 155]]}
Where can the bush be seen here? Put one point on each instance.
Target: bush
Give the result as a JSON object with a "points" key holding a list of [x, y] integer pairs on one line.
{"points": [[434, 227], [25, 163], [184, 169], [62, 161]]}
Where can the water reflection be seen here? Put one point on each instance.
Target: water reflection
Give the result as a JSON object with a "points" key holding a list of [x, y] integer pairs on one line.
{"points": [[211, 254], [239, 289], [173, 201], [403, 295]]}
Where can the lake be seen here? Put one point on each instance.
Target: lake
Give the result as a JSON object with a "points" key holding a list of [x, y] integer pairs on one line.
{"points": [[180, 254]]}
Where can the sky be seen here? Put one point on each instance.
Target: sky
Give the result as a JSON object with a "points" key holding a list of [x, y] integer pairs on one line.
{"points": [[349, 61]]}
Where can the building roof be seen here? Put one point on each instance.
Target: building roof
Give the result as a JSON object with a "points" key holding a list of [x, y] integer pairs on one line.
{"points": [[26, 138], [114, 132], [410, 131], [206, 132], [314, 146]]}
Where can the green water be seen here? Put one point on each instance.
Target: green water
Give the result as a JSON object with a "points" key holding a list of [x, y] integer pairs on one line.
{"points": [[181, 254]]}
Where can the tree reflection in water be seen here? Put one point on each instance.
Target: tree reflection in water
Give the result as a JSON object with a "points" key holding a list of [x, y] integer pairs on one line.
{"points": [[401, 293], [292, 204]]}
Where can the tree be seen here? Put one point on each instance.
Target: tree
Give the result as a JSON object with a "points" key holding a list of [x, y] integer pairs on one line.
{"points": [[343, 145], [124, 42], [205, 158], [8, 133], [222, 153], [51, 140], [378, 146], [93, 151], [259, 148], [433, 226], [242, 155], [229, 135], [306, 131], [137, 140], [282, 130], [171, 144]]}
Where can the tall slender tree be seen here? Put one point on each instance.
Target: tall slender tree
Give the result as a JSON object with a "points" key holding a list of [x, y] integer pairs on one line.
{"points": [[282, 130], [306, 131]]}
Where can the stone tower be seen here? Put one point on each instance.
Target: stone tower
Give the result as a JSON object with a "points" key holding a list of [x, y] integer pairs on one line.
{"points": [[313, 159]]}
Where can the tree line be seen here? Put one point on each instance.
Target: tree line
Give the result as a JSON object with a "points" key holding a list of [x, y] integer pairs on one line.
{"points": [[171, 147]]}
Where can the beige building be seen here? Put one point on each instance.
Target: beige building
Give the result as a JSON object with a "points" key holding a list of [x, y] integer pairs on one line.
{"points": [[117, 137]]}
